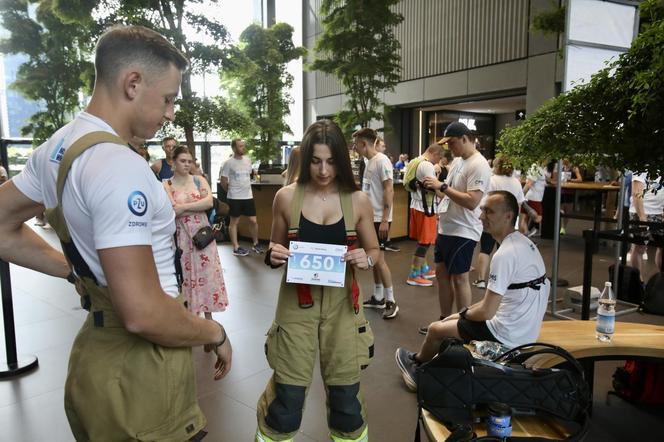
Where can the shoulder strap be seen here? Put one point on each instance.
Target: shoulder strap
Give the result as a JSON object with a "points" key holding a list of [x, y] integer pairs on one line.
{"points": [[197, 182], [347, 209], [296, 210], [74, 151]]}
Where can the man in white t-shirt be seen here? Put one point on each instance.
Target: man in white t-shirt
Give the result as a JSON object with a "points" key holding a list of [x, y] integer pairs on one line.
{"points": [[647, 205], [515, 300], [459, 226], [137, 338], [377, 184], [423, 217], [235, 178]]}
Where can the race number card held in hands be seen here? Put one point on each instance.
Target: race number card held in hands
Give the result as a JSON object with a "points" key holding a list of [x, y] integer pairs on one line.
{"points": [[316, 264]]}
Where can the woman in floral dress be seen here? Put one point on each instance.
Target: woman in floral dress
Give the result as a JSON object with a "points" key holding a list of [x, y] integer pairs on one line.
{"points": [[203, 284]]}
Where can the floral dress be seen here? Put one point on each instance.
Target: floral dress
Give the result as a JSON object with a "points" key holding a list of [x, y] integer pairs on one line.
{"points": [[203, 285]]}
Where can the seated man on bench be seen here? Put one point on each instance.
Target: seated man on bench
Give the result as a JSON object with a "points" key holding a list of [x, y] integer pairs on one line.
{"points": [[516, 296]]}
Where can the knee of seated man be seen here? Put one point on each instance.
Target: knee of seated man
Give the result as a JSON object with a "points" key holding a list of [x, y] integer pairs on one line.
{"points": [[441, 330]]}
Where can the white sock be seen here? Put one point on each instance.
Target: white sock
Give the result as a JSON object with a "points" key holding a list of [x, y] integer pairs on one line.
{"points": [[378, 292], [389, 294]]}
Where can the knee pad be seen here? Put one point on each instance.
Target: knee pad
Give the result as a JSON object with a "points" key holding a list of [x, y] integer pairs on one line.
{"points": [[284, 414], [421, 250], [345, 408]]}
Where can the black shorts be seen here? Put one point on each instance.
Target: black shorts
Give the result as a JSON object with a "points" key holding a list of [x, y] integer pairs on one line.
{"points": [[241, 208], [381, 242], [486, 243], [474, 331], [455, 252]]}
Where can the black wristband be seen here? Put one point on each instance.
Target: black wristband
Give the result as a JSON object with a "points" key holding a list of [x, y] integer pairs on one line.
{"points": [[443, 187], [223, 341], [268, 261]]}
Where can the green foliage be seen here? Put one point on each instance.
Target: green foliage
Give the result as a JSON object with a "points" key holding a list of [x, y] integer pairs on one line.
{"points": [[259, 81], [551, 21], [170, 18], [614, 120], [57, 68], [359, 48]]}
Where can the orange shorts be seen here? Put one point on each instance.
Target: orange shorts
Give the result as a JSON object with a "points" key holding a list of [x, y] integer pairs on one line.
{"points": [[422, 228]]}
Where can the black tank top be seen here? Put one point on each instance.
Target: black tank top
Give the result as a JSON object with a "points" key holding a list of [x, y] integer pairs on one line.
{"points": [[324, 234]]}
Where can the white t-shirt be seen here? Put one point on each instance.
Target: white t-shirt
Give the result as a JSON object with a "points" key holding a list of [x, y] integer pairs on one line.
{"points": [[519, 316], [378, 170], [238, 173], [653, 203], [111, 198], [466, 175], [537, 175], [508, 183], [424, 169]]}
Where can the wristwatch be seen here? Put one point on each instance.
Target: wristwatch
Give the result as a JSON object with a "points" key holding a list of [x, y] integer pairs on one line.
{"points": [[443, 187], [370, 262], [462, 313]]}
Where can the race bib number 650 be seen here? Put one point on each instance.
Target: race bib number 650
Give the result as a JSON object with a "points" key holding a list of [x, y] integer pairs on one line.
{"points": [[316, 264]]}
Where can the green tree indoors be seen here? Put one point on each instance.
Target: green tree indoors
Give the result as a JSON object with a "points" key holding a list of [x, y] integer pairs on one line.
{"points": [[172, 19], [258, 84], [359, 48], [57, 69]]}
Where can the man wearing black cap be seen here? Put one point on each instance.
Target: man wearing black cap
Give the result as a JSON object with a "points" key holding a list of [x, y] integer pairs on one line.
{"points": [[459, 225]]}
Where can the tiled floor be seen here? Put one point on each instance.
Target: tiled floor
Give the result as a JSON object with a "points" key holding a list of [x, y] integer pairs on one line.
{"points": [[48, 316]]}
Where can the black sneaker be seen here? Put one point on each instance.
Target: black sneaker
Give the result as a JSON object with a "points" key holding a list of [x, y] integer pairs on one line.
{"points": [[391, 247], [240, 252], [391, 310], [423, 330], [257, 248], [374, 303], [407, 364]]}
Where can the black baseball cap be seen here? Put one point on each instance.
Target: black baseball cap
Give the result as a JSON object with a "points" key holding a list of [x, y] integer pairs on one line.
{"points": [[454, 129]]}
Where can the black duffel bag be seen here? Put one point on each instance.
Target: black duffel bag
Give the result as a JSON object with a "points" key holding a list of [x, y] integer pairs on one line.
{"points": [[454, 385]]}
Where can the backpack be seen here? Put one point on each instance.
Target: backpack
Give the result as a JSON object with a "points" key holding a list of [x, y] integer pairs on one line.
{"points": [[640, 382], [453, 385], [411, 184], [629, 286], [653, 299]]}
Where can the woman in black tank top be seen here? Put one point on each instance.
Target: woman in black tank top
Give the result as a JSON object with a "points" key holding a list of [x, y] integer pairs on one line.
{"points": [[323, 206]]}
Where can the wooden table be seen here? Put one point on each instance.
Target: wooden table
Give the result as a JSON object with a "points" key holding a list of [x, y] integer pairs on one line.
{"points": [[630, 340], [522, 426]]}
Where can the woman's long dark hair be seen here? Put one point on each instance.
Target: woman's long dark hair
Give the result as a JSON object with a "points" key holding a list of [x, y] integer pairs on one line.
{"points": [[327, 132]]}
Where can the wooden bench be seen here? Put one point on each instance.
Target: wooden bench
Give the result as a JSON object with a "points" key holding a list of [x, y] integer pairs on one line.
{"points": [[522, 426], [630, 340]]}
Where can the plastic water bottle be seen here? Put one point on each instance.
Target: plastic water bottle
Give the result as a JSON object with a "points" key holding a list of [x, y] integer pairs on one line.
{"points": [[606, 314]]}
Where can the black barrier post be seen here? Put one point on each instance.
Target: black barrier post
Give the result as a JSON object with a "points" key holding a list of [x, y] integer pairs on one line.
{"points": [[590, 238], [14, 365]]}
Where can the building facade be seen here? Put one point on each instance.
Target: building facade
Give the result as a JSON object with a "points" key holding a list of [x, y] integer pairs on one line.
{"points": [[471, 60]]}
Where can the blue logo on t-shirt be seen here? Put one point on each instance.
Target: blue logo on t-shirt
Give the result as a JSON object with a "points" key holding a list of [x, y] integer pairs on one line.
{"points": [[138, 203], [58, 152]]}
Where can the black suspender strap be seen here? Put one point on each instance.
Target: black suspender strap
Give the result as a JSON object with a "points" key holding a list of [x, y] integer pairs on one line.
{"points": [[534, 284]]}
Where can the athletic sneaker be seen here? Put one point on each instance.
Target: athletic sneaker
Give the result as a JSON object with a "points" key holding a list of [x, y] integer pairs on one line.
{"points": [[423, 330], [479, 283], [391, 310], [418, 281], [256, 248], [240, 252], [391, 247], [374, 303], [430, 274], [532, 232], [408, 366]]}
